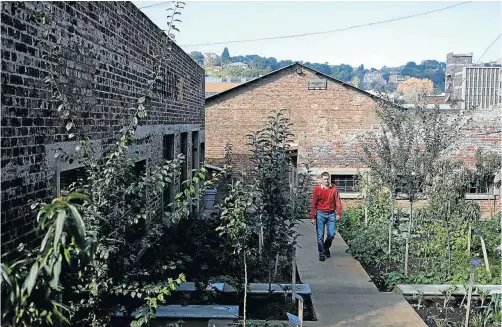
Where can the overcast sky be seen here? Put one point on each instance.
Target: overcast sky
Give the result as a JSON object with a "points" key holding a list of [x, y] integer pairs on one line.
{"points": [[471, 27]]}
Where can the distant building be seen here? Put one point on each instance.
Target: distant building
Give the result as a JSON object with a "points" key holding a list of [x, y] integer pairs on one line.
{"points": [[215, 85], [210, 59], [374, 76], [397, 78], [239, 64], [454, 64], [478, 87], [435, 99], [213, 88], [473, 86]]}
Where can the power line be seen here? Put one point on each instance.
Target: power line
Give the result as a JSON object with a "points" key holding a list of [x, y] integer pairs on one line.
{"points": [[498, 37], [331, 31], [481, 57], [155, 5]]}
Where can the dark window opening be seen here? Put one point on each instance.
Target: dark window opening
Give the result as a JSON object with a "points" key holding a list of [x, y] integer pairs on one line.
{"points": [[345, 183], [168, 154], [202, 153], [140, 168], [195, 163], [184, 166], [195, 150], [72, 179], [480, 187]]}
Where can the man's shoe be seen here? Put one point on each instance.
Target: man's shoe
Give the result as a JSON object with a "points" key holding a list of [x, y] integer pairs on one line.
{"points": [[322, 257], [327, 253]]}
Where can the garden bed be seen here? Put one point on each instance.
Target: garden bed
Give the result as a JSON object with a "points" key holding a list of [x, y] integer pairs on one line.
{"points": [[261, 308], [435, 313]]}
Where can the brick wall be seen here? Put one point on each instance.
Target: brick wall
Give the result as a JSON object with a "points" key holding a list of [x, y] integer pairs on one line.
{"points": [[327, 124], [323, 120], [105, 60]]}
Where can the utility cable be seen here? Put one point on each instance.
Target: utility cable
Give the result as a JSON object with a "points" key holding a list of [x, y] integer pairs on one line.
{"points": [[157, 4], [479, 59], [331, 31]]}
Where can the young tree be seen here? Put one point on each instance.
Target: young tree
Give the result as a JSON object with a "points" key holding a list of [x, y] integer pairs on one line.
{"points": [[446, 188], [414, 88], [270, 174], [403, 154], [238, 225]]}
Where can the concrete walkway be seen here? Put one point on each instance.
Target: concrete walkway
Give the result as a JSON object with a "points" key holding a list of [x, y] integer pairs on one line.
{"points": [[342, 293]]}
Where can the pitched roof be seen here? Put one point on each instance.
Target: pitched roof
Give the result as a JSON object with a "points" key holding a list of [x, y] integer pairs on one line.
{"points": [[329, 78], [219, 86]]}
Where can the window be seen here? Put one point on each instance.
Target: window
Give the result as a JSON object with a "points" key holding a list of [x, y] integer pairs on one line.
{"points": [[195, 163], [184, 166], [71, 178], [168, 154], [481, 187], [202, 153], [293, 171], [195, 150], [345, 183], [140, 168]]}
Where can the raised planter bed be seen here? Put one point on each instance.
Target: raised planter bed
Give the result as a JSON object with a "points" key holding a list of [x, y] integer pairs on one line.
{"points": [[436, 309], [437, 290]]}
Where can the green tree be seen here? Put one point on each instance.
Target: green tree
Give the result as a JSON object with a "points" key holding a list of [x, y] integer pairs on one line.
{"points": [[271, 169], [225, 56], [238, 225], [386, 76], [403, 153], [197, 57]]}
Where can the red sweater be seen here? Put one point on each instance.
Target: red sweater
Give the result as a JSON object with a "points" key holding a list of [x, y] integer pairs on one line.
{"points": [[326, 200]]}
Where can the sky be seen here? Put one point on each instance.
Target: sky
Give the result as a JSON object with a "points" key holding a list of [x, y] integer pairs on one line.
{"points": [[471, 27]]}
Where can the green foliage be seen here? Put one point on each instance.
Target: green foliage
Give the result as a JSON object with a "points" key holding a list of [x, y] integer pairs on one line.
{"points": [[95, 257], [430, 69], [225, 56], [197, 57], [271, 169]]}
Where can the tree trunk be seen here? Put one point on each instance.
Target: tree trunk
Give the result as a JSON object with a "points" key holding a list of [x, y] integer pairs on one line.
{"points": [[276, 264], [365, 214], [407, 250], [245, 290], [293, 275], [270, 261], [469, 238], [390, 224], [469, 296], [448, 237]]}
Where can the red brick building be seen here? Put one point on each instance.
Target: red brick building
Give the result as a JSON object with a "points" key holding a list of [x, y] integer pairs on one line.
{"points": [[328, 117]]}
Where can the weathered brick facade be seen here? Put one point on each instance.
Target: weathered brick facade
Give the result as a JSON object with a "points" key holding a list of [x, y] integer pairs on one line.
{"points": [[105, 59], [327, 124]]}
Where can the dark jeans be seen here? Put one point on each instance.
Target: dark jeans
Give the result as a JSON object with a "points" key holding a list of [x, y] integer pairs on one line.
{"points": [[322, 219]]}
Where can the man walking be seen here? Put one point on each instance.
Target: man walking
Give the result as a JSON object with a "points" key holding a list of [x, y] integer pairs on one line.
{"points": [[326, 210]]}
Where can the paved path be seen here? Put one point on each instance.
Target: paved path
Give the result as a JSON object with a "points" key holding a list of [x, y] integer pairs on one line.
{"points": [[342, 293]]}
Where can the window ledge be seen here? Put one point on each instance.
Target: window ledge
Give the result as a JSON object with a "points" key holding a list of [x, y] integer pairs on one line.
{"points": [[350, 195], [480, 197]]}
